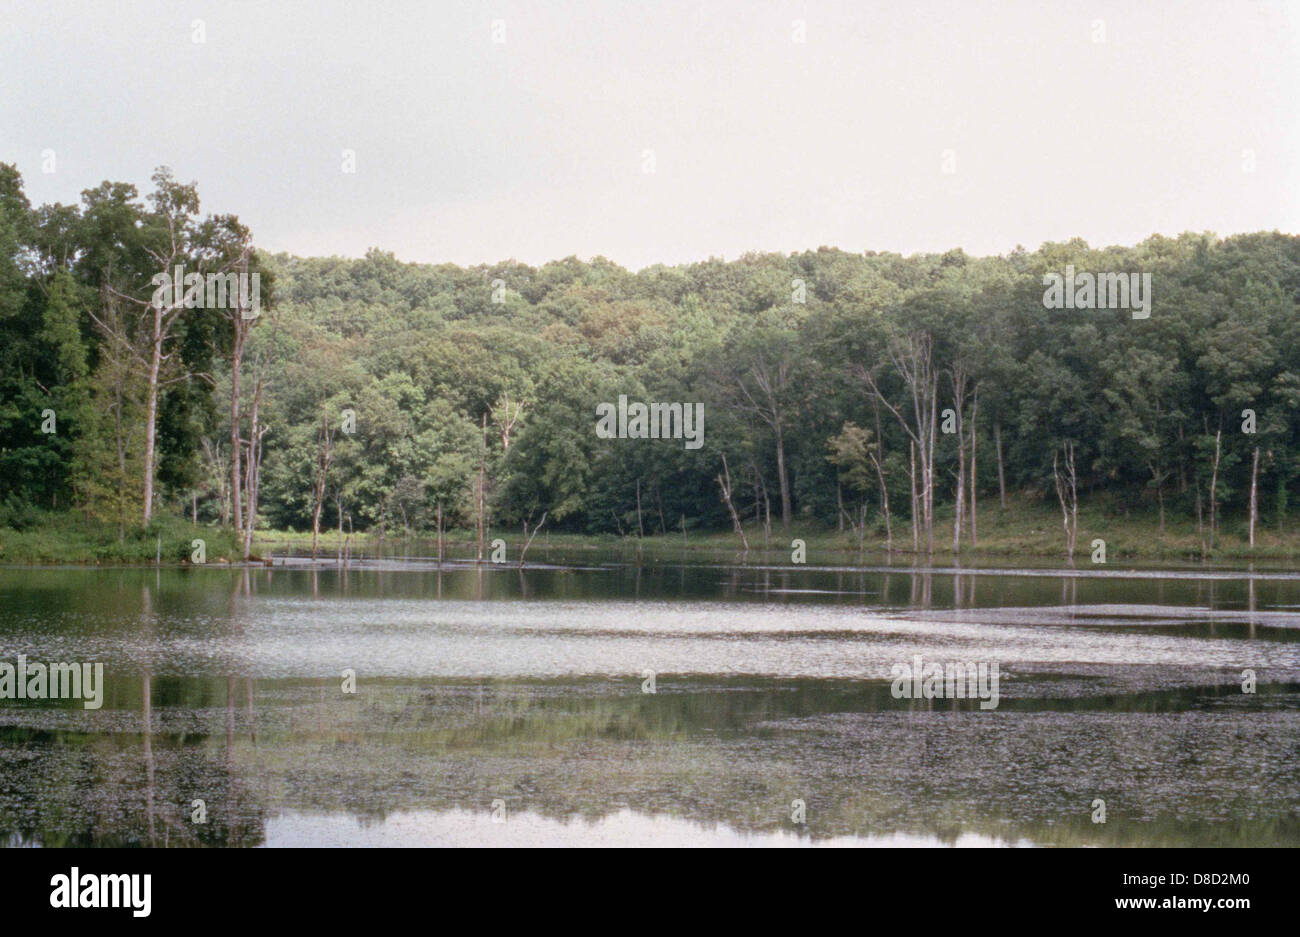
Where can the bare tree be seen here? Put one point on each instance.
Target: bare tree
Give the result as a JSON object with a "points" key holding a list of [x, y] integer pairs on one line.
{"points": [[958, 376], [724, 482], [479, 494], [1254, 501], [324, 455], [1214, 487], [912, 356], [176, 204], [974, 411], [1067, 492], [505, 416], [770, 380], [528, 542]]}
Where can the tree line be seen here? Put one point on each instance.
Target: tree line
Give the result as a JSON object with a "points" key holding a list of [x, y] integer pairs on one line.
{"points": [[868, 391]]}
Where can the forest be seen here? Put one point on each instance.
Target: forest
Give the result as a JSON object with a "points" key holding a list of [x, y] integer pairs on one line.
{"points": [[895, 398]]}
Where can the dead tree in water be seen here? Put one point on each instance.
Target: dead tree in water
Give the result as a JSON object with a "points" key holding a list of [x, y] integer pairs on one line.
{"points": [[529, 542]]}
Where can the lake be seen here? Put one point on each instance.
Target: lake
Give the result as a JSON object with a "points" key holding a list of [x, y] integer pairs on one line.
{"points": [[595, 700]]}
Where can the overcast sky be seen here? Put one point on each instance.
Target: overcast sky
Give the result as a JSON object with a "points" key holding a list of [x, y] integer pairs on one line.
{"points": [[470, 150]]}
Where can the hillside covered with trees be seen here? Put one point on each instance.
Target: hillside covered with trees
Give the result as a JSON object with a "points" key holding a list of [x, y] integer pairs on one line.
{"points": [[872, 392]]}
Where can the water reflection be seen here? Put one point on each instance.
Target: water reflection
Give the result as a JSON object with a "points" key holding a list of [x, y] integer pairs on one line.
{"points": [[524, 687], [463, 828]]}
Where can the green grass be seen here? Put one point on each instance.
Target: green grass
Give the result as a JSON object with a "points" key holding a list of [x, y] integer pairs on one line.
{"points": [[1025, 529], [64, 538]]}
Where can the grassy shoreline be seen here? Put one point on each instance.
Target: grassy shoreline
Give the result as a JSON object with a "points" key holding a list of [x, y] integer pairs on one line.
{"points": [[1023, 530]]}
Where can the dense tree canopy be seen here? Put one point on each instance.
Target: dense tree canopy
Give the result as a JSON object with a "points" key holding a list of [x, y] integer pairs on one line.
{"points": [[373, 393]]}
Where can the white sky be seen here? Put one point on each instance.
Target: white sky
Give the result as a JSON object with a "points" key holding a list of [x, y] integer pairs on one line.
{"points": [[473, 151]]}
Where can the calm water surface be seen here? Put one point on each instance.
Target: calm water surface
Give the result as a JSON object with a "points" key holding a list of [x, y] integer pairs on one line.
{"points": [[505, 707]]}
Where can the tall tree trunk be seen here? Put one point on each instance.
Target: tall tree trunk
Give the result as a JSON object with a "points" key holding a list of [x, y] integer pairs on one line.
{"points": [[640, 528], [1214, 487], [254, 468], [151, 412], [974, 411], [1067, 492], [1002, 475], [929, 464], [482, 480], [439, 531], [916, 540], [1200, 521], [782, 477], [323, 464], [959, 508], [254, 480], [724, 482], [1254, 502], [876, 458], [236, 367], [958, 376]]}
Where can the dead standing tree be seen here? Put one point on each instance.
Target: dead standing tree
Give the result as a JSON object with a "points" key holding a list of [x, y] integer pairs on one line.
{"points": [[959, 377], [506, 416], [912, 356], [324, 456], [241, 317], [176, 205], [771, 380], [724, 482], [528, 542], [1067, 492], [257, 429]]}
